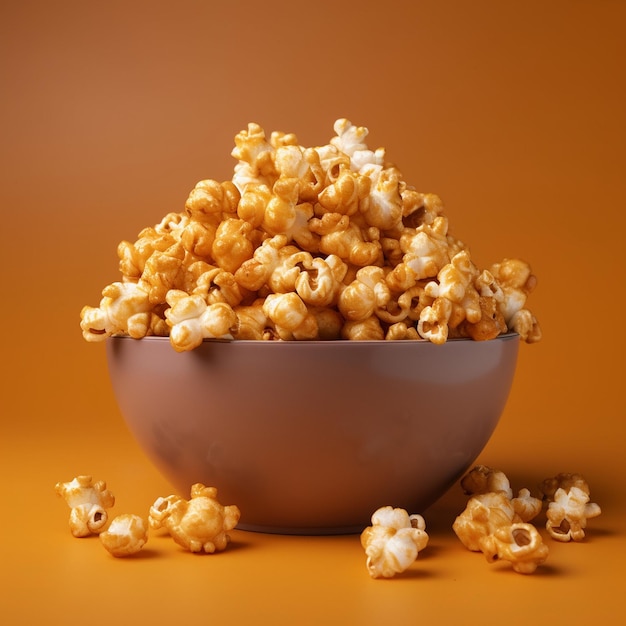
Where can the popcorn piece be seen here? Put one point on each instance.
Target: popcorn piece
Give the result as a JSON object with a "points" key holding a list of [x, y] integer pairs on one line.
{"points": [[345, 194], [569, 506], [363, 330], [232, 244], [563, 480], [125, 308], [255, 163], [525, 324], [526, 506], [568, 514], [290, 316], [210, 201], [329, 322], [484, 513], [400, 331], [133, 256], [426, 248], [393, 541], [347, 239], [126, 535], [88, 502], [491, 525], [252, 323], [490, 324], [382, 207], [320, 281], [455, 283], [433, 321], [350, 140], [218, 285], [254, 273], [286, 216], [483, 479], [518, 543], [192, 320], [365, 294], [516, 281], [163, 271], [200, 524]]}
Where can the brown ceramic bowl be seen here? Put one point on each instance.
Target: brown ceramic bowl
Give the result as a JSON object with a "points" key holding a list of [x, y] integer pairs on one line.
{"points": [[313, 437]]}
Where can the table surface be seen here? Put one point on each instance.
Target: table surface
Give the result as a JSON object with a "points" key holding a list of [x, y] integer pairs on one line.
{"points": [[47, 573]]}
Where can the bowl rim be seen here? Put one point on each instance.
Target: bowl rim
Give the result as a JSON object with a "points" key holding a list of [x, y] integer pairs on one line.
{"points": [[328, 342]]}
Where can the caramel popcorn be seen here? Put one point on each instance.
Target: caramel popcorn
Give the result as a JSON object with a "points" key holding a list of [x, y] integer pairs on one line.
{"points": [[482, 479], [89, 502], [334, 231], [569, 506], [491, 525], [200, 524], [496, 523], [126, 535], [393, 541]]}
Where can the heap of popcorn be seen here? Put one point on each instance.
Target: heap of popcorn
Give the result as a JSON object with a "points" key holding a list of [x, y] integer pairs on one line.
{"points": [[319, 243]]}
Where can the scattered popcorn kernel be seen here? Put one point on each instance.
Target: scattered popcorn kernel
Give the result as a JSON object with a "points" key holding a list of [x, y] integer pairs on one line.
{"points": [[569, 506], [393, 541], [564, 480], [483, 479], [491, 525], [88, 502], [304, 220], [519, 543], [126, 535], [526, 506], [200, 524]]}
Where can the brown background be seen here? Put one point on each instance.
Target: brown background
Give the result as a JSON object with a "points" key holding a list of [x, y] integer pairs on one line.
{"points": [[110, 112]]}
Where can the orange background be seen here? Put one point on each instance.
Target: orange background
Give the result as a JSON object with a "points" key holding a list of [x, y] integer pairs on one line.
{"points": [[513, 112]]}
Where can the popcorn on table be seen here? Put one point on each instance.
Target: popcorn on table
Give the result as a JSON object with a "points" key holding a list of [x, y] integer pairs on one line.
{"points": [[393, 541], [89, 502]]}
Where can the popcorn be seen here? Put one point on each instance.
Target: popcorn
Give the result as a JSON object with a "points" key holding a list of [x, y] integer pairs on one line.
{"points": [[520, 544], [320, 281], [126, 535], [482, 479], [364, 295], [497, 524], [335, 225], [192, 320], [290, 316], [569, 507], [393, 541], [125, 308], [200, 524], [491, 525], [88, 502], [233, 244]]}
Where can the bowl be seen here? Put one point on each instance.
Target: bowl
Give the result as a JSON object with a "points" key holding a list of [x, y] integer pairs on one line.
{"points": [[313, 437]]}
